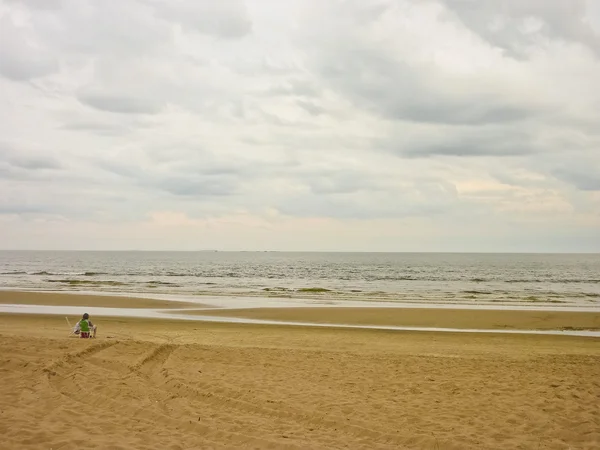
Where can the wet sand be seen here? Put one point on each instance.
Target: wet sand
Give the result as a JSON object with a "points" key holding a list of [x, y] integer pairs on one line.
{"points": [[171, 384], [68, 299], [420, 317]]}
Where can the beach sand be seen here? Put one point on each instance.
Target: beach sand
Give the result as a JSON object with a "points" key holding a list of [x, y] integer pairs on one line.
{"points": [[423, 317], [69, 299], [167, 384]]}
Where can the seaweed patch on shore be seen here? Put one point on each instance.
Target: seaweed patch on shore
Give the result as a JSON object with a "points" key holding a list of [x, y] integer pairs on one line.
{"points": [[75, 282], [315, 290]]}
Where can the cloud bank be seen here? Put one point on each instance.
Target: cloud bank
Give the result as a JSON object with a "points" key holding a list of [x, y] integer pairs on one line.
{"points": [[389, 125]]}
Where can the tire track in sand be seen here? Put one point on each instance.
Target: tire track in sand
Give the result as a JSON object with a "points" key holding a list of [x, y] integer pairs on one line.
{"points": [[151, 367], [155, 359], [69, 379], [75, 357]]}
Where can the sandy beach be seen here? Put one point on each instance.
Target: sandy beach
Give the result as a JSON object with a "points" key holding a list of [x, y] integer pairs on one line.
{"points": [[420, 317], [169, 384]]}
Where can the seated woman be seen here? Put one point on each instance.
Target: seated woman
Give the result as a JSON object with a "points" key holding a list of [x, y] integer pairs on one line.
{"points": [[85, 326]]}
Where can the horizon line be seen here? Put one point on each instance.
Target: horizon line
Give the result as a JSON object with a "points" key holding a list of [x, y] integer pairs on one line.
{"points": [[309, 251]]}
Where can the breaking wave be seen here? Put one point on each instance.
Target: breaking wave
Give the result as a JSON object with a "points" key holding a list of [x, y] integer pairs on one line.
{"points": [[367, 277]]}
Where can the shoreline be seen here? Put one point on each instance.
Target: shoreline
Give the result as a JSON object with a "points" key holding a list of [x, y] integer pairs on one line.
{"points": [[449, 319], [232, 301]]}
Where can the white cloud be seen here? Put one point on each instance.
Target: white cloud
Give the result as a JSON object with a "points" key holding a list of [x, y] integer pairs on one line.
{"points": [[387, 125], [21, 59]]}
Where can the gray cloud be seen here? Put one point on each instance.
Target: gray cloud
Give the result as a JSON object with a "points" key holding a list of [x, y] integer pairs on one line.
{"points": [[226, 19], [502, 142], [19, 60], [440, 110], [376, 79], [85, 28], [310, 107], [100, 129], [518, 25], [12, 154], [124, 105], [586, 179], [127, 27], [38, 4], [198, 187], [197, 177], [34, 163]]}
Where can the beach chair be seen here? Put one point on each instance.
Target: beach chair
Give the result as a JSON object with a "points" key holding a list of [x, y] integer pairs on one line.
{"points": [[80, 333], [72, 330]]}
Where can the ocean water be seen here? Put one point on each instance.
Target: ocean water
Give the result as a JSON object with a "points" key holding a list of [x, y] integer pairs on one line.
{"points": [[528, 279]]}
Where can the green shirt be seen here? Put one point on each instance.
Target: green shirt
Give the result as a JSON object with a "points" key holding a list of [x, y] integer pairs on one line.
{"points": [[84, 325]]}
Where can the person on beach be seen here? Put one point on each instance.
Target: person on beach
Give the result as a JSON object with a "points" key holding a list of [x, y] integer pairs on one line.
{"points": [[85, 326]]}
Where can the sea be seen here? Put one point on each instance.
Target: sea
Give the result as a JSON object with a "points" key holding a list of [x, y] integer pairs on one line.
{"points": [[462, 278]]}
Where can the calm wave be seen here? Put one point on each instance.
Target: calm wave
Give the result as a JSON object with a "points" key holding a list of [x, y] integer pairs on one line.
{"points": [[419, 277]]}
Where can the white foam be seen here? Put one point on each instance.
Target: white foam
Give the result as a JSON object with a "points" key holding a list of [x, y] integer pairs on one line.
{"points": [[251, 302]]}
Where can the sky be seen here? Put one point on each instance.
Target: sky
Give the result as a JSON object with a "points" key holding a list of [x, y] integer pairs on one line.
{"points": [[302, 125]]}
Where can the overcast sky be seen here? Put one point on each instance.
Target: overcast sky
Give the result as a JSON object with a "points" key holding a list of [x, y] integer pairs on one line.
{"points": [[357, 125]]}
